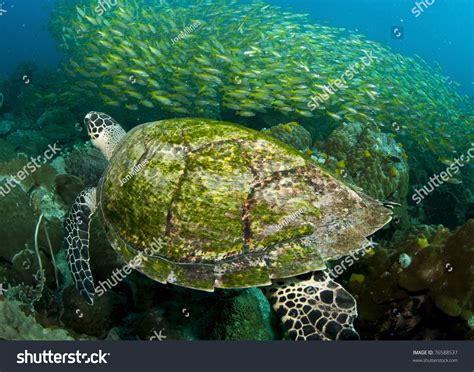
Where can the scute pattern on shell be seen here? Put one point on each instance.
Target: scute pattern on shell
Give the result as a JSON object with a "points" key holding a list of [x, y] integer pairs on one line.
{"points": [[219, 197]]}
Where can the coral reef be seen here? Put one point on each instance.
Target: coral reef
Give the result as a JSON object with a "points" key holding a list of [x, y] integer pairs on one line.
{"points": [[292, 134], [370, 159], [5, 127], [446, 269], [58, 125], [245, 317], [16, 325], [87, 163], [7, 152], [30, 142], [24, 202], [430, 296], [29, 92], [95, 320], [19, 226]]}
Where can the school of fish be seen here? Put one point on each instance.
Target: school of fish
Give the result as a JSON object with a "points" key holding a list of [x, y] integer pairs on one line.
{"points": [[251, 60]]}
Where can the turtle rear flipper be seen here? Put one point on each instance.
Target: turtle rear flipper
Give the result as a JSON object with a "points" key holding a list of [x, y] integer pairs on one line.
{"points": [[314, 309], [77, 227]]}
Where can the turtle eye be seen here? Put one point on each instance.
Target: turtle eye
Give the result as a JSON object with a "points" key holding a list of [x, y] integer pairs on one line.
{"points": [[94, 123], [92, 117]]}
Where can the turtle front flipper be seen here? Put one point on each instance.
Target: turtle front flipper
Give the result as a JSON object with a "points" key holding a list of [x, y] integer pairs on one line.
{"points": [[314, 308], [77, 227]]}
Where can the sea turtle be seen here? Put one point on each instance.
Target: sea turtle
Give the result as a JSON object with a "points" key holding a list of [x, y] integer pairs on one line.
{"points": [[225, 206]]}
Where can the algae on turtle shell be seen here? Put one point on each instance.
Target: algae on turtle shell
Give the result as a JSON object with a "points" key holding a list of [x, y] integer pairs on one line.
{"points": [[224, 226]]}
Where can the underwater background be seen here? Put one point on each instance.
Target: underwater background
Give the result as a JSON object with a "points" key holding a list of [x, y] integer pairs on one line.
{"points": [[400, 126]]}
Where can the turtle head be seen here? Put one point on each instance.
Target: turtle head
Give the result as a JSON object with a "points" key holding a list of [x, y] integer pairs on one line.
{"points": [[104, 131]]}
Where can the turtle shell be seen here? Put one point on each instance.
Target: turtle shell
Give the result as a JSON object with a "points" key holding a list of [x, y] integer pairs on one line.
{"points": [[206, 204]]}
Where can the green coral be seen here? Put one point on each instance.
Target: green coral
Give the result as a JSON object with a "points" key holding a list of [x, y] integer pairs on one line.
{"points": [[247, 316], [292, 134], [381, 172], [442, 269], [16, 325]]}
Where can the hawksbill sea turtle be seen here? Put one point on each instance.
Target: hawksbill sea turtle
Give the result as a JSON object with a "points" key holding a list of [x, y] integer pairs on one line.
{"points": [[213, 193]]}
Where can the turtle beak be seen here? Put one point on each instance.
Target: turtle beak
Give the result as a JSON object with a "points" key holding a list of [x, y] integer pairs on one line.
{"points": [[88, 121], [88, 116]]}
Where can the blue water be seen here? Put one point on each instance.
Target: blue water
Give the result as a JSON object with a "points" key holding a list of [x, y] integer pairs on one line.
{"points": [[443, 32], [24, 34]]}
